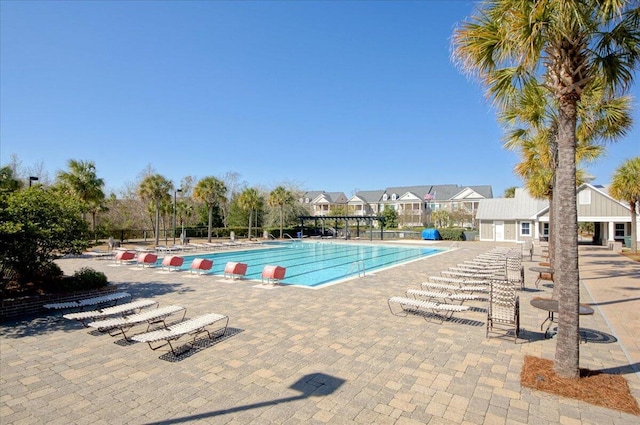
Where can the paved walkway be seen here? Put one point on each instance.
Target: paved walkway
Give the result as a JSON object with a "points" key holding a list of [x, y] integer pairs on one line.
{"points": [[333, 355]]}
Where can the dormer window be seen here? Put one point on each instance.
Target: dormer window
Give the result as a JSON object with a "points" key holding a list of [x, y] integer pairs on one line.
{"points": [[385, 197], [394, 197], [306, 200]]}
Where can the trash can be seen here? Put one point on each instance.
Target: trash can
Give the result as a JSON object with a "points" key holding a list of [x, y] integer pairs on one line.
{"points": [[627, 241], [299, 235]]}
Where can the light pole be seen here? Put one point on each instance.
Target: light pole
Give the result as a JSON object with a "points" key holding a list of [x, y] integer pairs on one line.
{"points": [[32, 179], [174, 213]]}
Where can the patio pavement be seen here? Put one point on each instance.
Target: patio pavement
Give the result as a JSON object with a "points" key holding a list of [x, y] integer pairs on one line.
{"points": [[331, 355]]}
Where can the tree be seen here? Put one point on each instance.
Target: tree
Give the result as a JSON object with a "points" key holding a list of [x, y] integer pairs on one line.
{"points": [[390, 217], [37, 225], [625, 186], [440, 218], [8, 182], [510, 192], [212, 192], [155, 189], [566, 45], [83, 182], [280, 197], [250, 200], [533, 128]]}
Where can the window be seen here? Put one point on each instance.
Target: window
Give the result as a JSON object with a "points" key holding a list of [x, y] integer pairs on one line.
{"points": [[619, 230], [584, 197], [525, 228], [545, 229], [394, 196], [385, 197]]}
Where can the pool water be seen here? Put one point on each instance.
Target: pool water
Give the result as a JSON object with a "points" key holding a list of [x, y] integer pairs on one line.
{"points": [[315, 263]]}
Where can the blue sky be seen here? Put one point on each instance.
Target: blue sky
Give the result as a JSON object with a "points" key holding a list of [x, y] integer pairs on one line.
{"points": [[335, 96]]}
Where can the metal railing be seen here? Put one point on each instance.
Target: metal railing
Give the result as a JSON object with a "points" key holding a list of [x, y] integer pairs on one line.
{"points": [[356, 265]]}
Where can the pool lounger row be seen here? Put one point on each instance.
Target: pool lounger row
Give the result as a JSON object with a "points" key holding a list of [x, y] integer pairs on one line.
{"points": [[121, 309], [89, 302], [412, 305]]}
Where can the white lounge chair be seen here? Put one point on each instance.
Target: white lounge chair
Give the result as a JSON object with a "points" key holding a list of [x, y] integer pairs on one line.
{"points": [[503, 311], [112, 298], [409, 305], [122, 309], [192, 327], [445, 296], [456, 289], [123, 324]]}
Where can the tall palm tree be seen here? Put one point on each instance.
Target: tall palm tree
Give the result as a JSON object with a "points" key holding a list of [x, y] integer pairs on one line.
{"points": [[155, 189], [251, 201], [625, 186], [82, 182], [566, 45], [280, 197], [533, 131], [212, 192]]}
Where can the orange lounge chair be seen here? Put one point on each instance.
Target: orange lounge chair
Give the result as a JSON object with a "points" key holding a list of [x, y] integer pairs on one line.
{"points": [[172, 261], [200, 265], [235, 270], [273, 274], [124, 256], [147, 259]]}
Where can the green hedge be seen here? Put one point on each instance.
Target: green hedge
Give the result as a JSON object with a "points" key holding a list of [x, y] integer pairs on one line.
{"points": [[452, 234]]}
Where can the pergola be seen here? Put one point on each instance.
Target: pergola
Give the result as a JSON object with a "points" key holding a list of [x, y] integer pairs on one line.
{"points": [[366, 220]]}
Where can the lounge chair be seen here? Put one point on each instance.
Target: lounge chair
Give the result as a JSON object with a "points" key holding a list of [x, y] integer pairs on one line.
{"points": [[503, 312], [147, 259], [200, 265], [192, 327], [456, 289], [112, 299], [123, 309], [457, 281], [122, 325], [172, 261], [444, 296], [124, 257], [273, 274], [235, 270], [412, 305]]}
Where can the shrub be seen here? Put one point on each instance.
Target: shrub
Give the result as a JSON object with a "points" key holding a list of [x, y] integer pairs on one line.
{"points": [[88, 278], [454, 234]]}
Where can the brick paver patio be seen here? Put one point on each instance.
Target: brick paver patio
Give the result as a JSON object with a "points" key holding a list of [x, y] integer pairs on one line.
{"points": [[330, 355]]}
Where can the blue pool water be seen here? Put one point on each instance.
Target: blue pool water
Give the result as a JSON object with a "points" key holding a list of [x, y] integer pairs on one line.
{"points": [[315, 263]]}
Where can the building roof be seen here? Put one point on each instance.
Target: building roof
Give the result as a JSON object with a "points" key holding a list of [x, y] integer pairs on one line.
{"points": [[368, 196], [521, 207]]}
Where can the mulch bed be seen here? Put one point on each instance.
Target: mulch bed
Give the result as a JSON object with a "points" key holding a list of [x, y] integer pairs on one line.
{"points": [[594, 387]]}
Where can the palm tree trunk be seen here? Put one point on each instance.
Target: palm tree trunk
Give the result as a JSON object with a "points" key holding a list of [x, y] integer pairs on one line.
{"points": [[210, 223], [567, 278], [250, 220], [157, 227], [634, 228], [281, 219]]}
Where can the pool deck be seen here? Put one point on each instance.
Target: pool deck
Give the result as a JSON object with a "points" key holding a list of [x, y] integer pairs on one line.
{"points": [[330, 355]]}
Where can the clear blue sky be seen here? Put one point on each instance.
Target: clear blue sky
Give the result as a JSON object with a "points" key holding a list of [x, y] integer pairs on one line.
{"points": [[334, 96]]}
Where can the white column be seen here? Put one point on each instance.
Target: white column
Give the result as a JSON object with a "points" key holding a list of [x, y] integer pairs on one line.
{"points": [[611, 231]]}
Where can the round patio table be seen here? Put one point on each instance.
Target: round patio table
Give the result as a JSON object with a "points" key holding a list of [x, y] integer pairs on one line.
{"points": [[551, 307], [542, 271]]}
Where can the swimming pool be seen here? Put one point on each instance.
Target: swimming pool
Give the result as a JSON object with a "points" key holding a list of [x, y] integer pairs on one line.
{"points": [[315, 263]]}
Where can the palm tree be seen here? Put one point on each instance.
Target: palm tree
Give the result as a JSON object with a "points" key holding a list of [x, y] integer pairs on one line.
{"points": [[625, 186], [534, 128], [155, 189], [82, 182], [280, 197], [567, 45], [212, 192], [250, 200]]}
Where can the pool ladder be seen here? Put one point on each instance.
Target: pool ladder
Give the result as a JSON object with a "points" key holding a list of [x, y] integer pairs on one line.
{"points": [[356, 265]]}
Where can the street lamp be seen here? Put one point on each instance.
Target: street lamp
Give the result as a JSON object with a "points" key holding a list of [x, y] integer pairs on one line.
{"points": [[174, 213], [32, 179]]}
